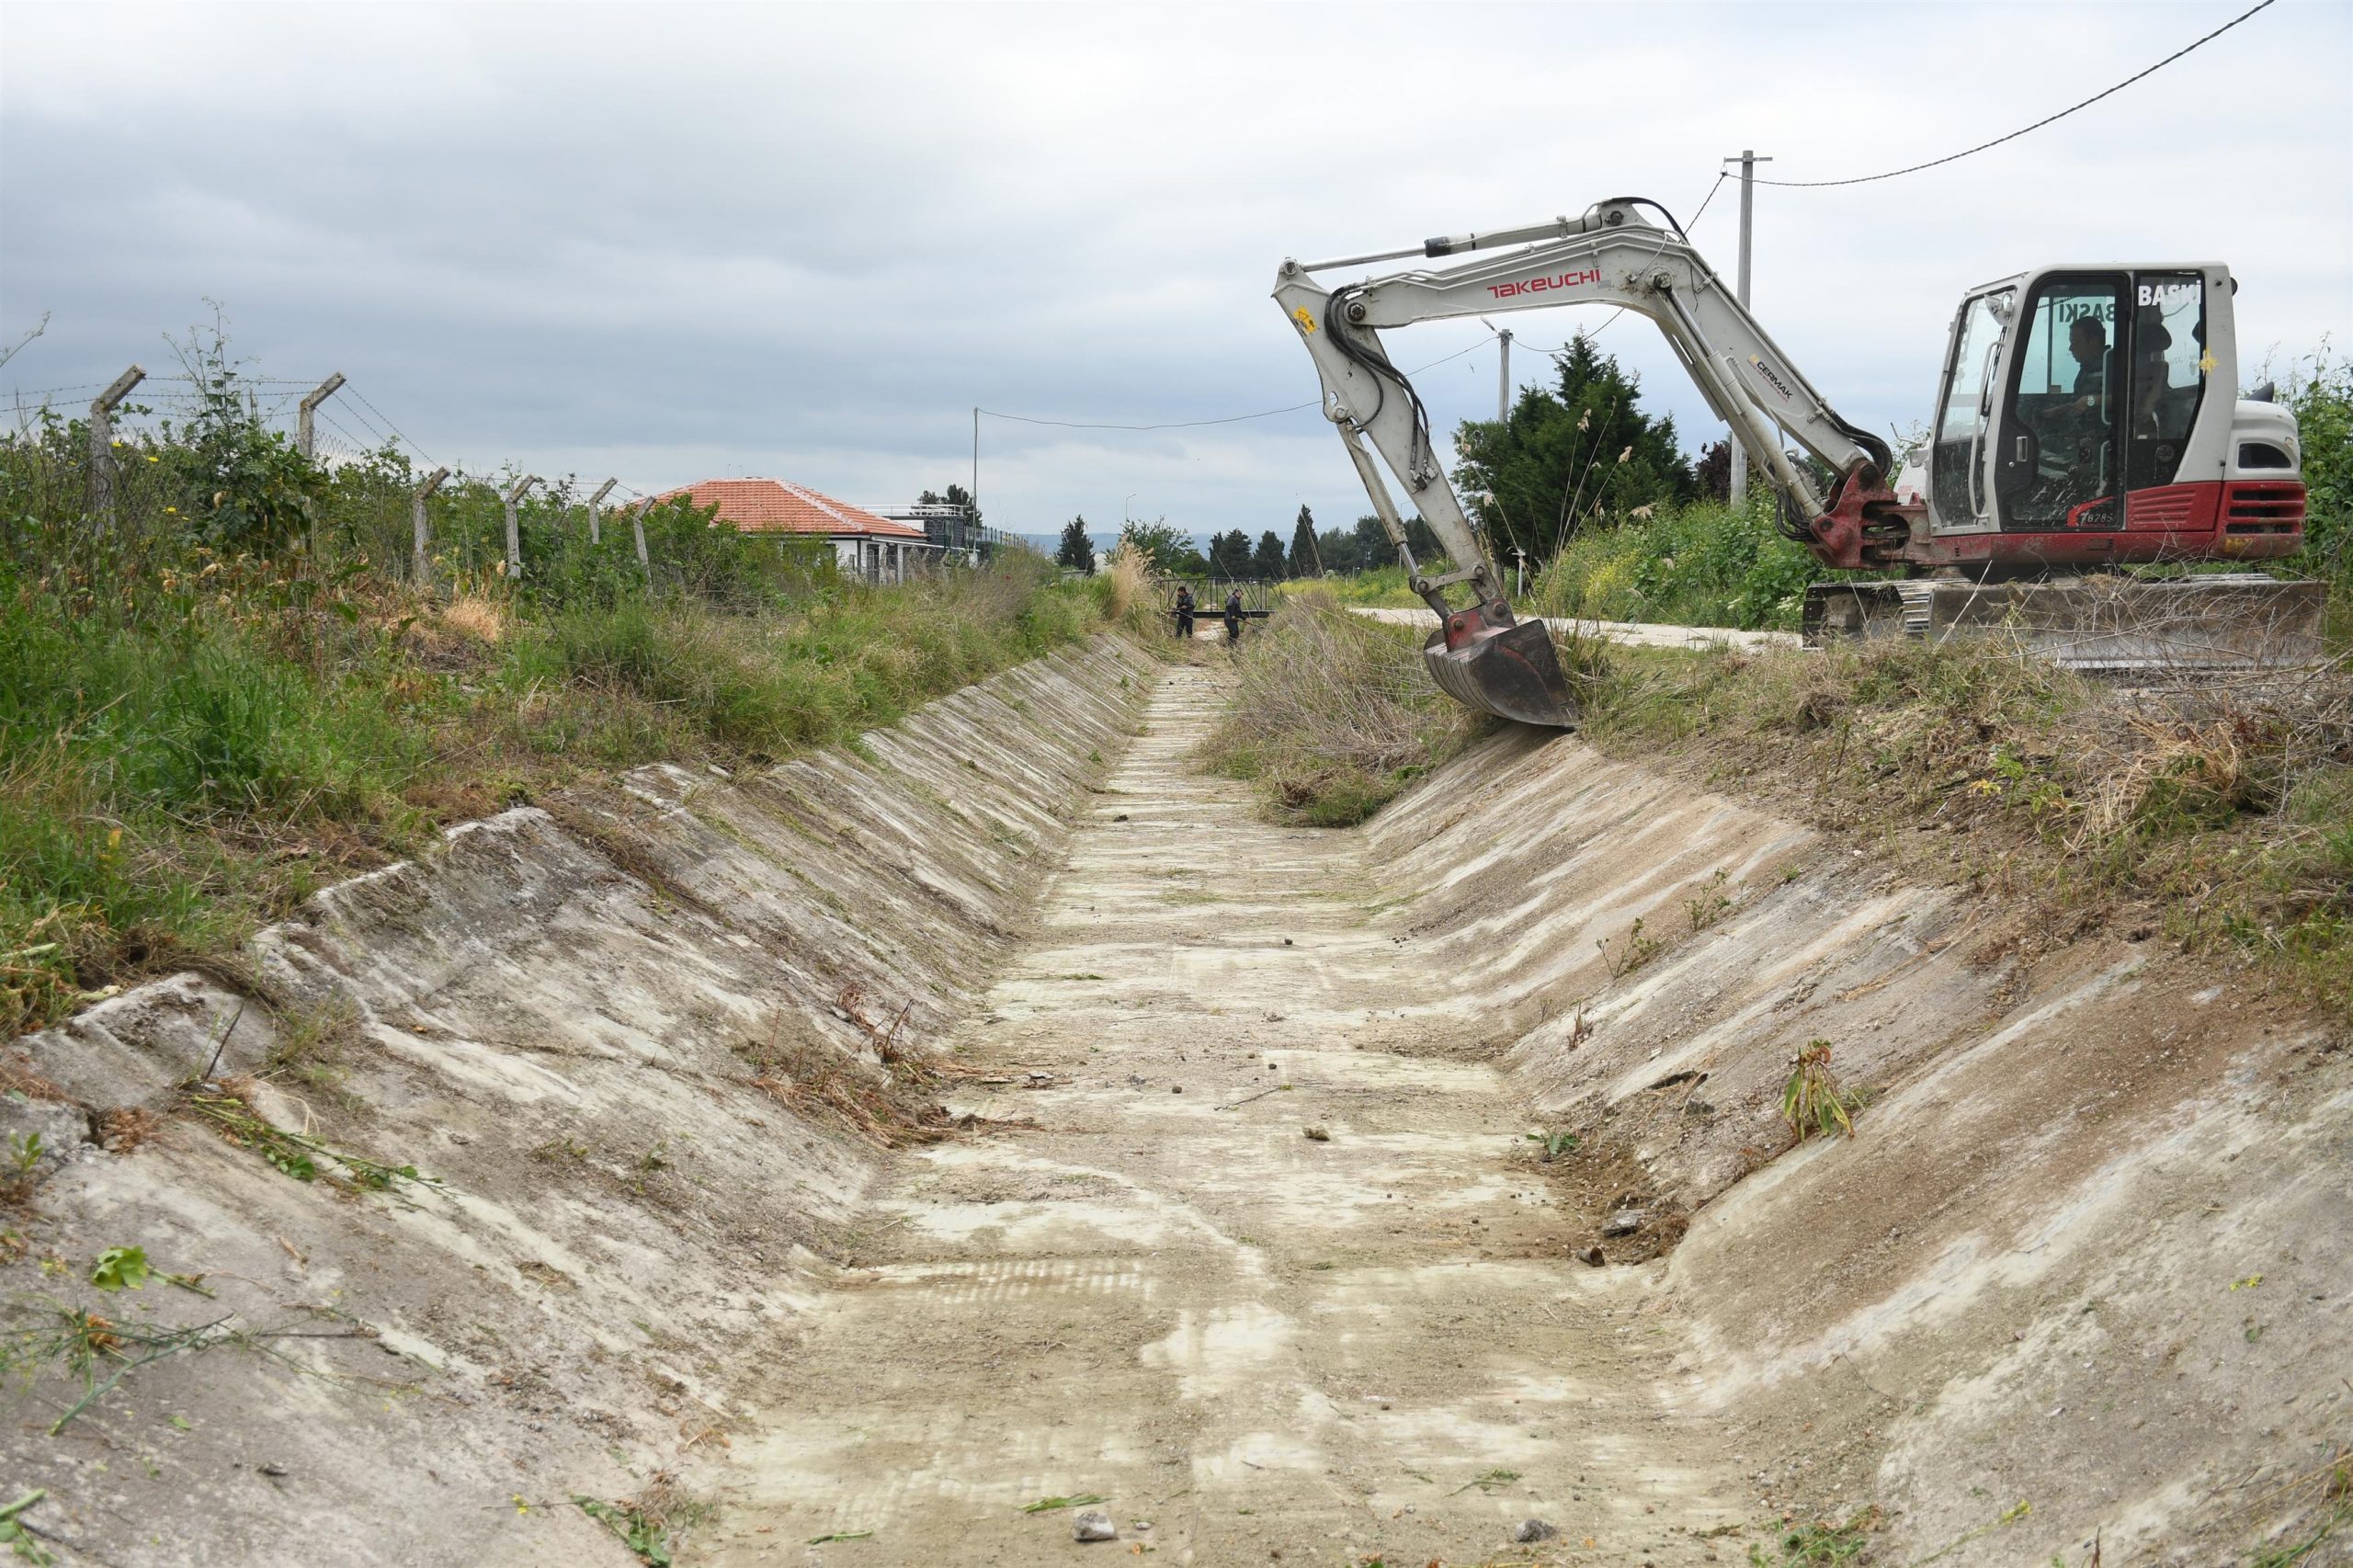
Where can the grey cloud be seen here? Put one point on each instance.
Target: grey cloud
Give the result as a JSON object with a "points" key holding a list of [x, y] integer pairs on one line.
{"points": [[678, 240]]}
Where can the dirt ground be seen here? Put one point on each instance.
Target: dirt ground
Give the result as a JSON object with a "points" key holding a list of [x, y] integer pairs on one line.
{"points": [[1275, 1272]]}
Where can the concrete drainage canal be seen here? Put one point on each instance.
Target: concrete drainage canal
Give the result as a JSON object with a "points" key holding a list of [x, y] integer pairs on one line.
{"points": [[998, 1145]]}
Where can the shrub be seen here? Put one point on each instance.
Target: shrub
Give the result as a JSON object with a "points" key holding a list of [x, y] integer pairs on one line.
{"points": [[1701, 564]]}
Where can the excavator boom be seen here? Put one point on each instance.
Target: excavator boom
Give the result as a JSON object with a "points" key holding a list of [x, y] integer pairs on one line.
{"points": [[1481, 653]]}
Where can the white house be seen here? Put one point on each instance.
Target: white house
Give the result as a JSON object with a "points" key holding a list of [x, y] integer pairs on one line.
{"points": [[875, 548]]}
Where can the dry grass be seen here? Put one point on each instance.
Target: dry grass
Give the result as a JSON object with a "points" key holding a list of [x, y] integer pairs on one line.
{"points": [[1127, 573], [1333, 714], [817, 1081], [2217, 809], [478, 616]]}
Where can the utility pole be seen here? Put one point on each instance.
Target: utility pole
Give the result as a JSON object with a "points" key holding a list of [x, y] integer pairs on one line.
{"points": [[1503, 379], [514, 533], [1748, 160], [420, 533], [102, 409], [306, 438], [976, 459], [594, 501]]}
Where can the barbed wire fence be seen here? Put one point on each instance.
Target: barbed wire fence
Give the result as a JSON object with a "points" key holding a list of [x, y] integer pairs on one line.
{"points": [[447, 505]]}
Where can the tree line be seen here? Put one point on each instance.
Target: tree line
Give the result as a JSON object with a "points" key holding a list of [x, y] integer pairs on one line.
{"points": [[1579, 453], [1313, 551]]}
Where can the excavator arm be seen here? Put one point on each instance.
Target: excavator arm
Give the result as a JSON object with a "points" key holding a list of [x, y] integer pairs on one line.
{"points": [[1610, 256]]}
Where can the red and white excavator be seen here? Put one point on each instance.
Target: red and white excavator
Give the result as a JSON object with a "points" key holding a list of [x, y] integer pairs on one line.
{"points": [[2088, 418]]}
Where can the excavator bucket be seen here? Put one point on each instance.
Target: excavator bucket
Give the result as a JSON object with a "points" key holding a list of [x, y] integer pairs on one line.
{"points": [[1509, 671]]}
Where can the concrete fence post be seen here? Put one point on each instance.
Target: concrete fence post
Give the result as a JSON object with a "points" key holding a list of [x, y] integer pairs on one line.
{"points": [[102, 473], [594, 502], [637, 526], [421, 534], [306, 435], [514, 531]]}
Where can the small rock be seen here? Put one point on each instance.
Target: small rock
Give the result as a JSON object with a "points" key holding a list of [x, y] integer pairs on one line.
{"points": [[1093, 1525], [1316, 1134], [1286, 941], [1140, 1524], [272, 1469], [1534, 1529], [1176, 1088], [1591, 1255], [1122, 817], [1625, 1223]]}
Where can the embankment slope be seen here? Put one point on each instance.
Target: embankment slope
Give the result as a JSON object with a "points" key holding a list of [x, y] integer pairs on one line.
{"points": [[630, 1038], [2089, 1249]]}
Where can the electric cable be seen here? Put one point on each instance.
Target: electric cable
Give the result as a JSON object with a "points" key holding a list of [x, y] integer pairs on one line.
{"points": [[1230, 419], [2047, 119]]}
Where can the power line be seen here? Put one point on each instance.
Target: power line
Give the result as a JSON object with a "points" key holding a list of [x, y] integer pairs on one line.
{"points": [[1230, 419], [2048, 119]]}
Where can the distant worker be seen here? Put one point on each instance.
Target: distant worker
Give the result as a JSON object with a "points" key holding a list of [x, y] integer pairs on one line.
{"points": [[1234, 616], [1184, 610]]}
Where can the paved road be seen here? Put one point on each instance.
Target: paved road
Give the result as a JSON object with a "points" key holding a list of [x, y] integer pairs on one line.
{"points": [[1620, 630], [1273, 1347]]}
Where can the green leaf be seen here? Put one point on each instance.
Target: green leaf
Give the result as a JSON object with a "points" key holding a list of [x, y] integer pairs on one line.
{"points": [[120, 1267]]}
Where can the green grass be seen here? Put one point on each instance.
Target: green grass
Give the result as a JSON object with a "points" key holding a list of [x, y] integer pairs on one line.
{"points": [[193, 737], [1383, 585], [1702, 565], [1816, 1545]]}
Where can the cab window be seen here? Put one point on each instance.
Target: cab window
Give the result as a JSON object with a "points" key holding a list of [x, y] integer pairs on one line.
{"points": [[2167, 344], [1960, 421]]}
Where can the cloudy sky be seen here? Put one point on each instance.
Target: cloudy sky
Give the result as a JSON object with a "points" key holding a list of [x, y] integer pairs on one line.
{"points": [[676, 242]]}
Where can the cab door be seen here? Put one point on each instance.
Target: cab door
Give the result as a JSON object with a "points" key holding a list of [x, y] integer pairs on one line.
{"points": [[1957, 495], [2058, 448]]}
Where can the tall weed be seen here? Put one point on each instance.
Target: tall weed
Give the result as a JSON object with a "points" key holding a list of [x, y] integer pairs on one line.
{"points": [[1333, 714]]}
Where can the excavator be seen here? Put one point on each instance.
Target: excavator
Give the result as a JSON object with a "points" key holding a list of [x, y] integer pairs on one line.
{"points": [[2088, 419]]}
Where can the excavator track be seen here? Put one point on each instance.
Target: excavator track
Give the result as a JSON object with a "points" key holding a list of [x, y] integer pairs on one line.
{"points": [[2222, 621]]}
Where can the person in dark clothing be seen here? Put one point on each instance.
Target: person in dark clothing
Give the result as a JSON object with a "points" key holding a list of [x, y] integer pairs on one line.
{"points": [[2087, 342], [1234, 616], [1185, 611]]}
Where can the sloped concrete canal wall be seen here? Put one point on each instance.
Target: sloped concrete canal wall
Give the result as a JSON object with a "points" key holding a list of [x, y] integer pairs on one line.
{"points": [[559, 1017]]}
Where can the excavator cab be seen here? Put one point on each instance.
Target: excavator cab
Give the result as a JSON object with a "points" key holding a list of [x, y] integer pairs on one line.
{"points": [[2090, 415]]}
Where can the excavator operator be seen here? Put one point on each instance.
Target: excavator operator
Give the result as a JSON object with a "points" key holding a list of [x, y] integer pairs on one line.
{"points": [[2087, 341]]}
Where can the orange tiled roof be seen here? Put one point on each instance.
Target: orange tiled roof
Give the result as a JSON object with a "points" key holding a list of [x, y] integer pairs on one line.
{"points": [[780, 506]]}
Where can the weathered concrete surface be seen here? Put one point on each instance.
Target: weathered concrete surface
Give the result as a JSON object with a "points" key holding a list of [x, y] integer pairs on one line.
{"points": [[1271, 1347], [2088, 1249], [2031, 1275], [561, 1021]]}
